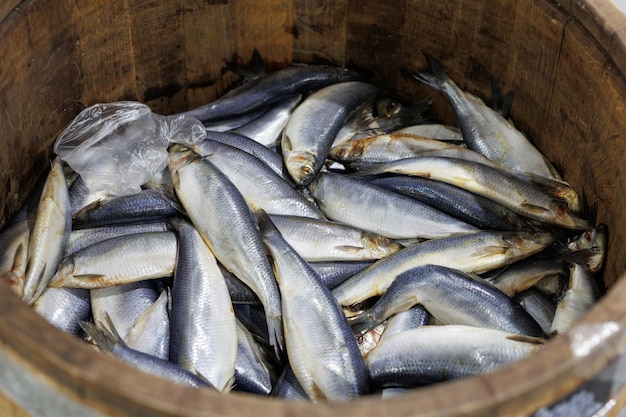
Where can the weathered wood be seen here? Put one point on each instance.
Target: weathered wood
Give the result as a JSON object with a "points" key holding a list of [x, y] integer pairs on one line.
{"points": [[565, 60]]}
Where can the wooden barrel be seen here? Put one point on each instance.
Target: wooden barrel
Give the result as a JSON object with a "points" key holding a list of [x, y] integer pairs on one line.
{"points": [[565, 60]]}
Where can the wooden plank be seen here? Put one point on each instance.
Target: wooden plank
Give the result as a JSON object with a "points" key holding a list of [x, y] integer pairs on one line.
{"points": [[320, 31], [267, 26], [8, 408], [601, 18], [107, 57], [573, 102], [8, 6], [536, 43], [204, 63], [374, 40], [157, 39]]}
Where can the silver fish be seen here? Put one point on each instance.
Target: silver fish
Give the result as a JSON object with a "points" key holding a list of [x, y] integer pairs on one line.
{"points": [[485, 130], [223, 219], [452, 297], [64, 308], [252, 372], [312, 127], [268, 191], [110, 342], [122, 305], [538, 305], [268, 128], [525, 196], [580, 296], [119, 260], [431, 354], [321, 347], [318, 240], [472, 253], [203, 329], [50, 233], [151, 332], [389, 214]]}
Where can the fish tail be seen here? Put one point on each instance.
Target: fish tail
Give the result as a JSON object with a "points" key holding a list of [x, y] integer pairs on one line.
{"points": [[415, 114], [102, 337], [276, 335], [434, 75], [364, 322]]}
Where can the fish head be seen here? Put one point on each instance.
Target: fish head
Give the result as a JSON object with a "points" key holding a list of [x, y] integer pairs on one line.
{"points": [[349, 151], [301, 167], [594, 238], [180, 156]]}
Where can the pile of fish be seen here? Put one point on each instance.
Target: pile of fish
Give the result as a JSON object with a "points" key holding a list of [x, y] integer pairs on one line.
{"points": [[324, 242]]}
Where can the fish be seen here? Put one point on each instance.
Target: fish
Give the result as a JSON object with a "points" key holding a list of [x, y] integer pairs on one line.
{"points": [[334, 273], [484, 129], [540, 203], [81, 238], [452, 297], [318, 240], [464, 205], [528, 272], [594, 239], [268, 128], [146, 205], [311, 129], [151, 332], [122, 305], [472, 253], [108, 341], [342, 198], [203, 327], [252, 369], [222, 217], [119, 260], [414, 317], [539, 305], [322, 350], [64, 308], [265, 90], [582, 293], [431, 354], [49, 235], [268, 191]]}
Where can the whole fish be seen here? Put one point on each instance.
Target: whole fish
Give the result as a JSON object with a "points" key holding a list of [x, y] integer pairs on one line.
{"points": [[119, 260], [457, 202], [203, 329], [314, 124], [485, 130], [318, 240], [111, 342], [320, 345], [146, 205], [521, 195], [452, 297], [220, 213], [268, 191], [431, 354], [81, 238], [269, 89], [389, 214], [50, 234], [472, 253]]}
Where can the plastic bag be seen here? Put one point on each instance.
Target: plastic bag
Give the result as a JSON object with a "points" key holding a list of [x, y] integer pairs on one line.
{"points": [[117, 147]]}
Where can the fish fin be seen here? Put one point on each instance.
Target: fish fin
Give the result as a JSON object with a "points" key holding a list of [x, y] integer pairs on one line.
{"points": [[15, 282], [102, 336], [499, 102], [78, 218], [349, 248], [17, 258], [434, 76], [532, 208], [527, 339], [415, 114]]}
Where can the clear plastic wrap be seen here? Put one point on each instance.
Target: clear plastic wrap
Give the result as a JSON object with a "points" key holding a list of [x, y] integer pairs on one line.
{"points": [[119, 146]]}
